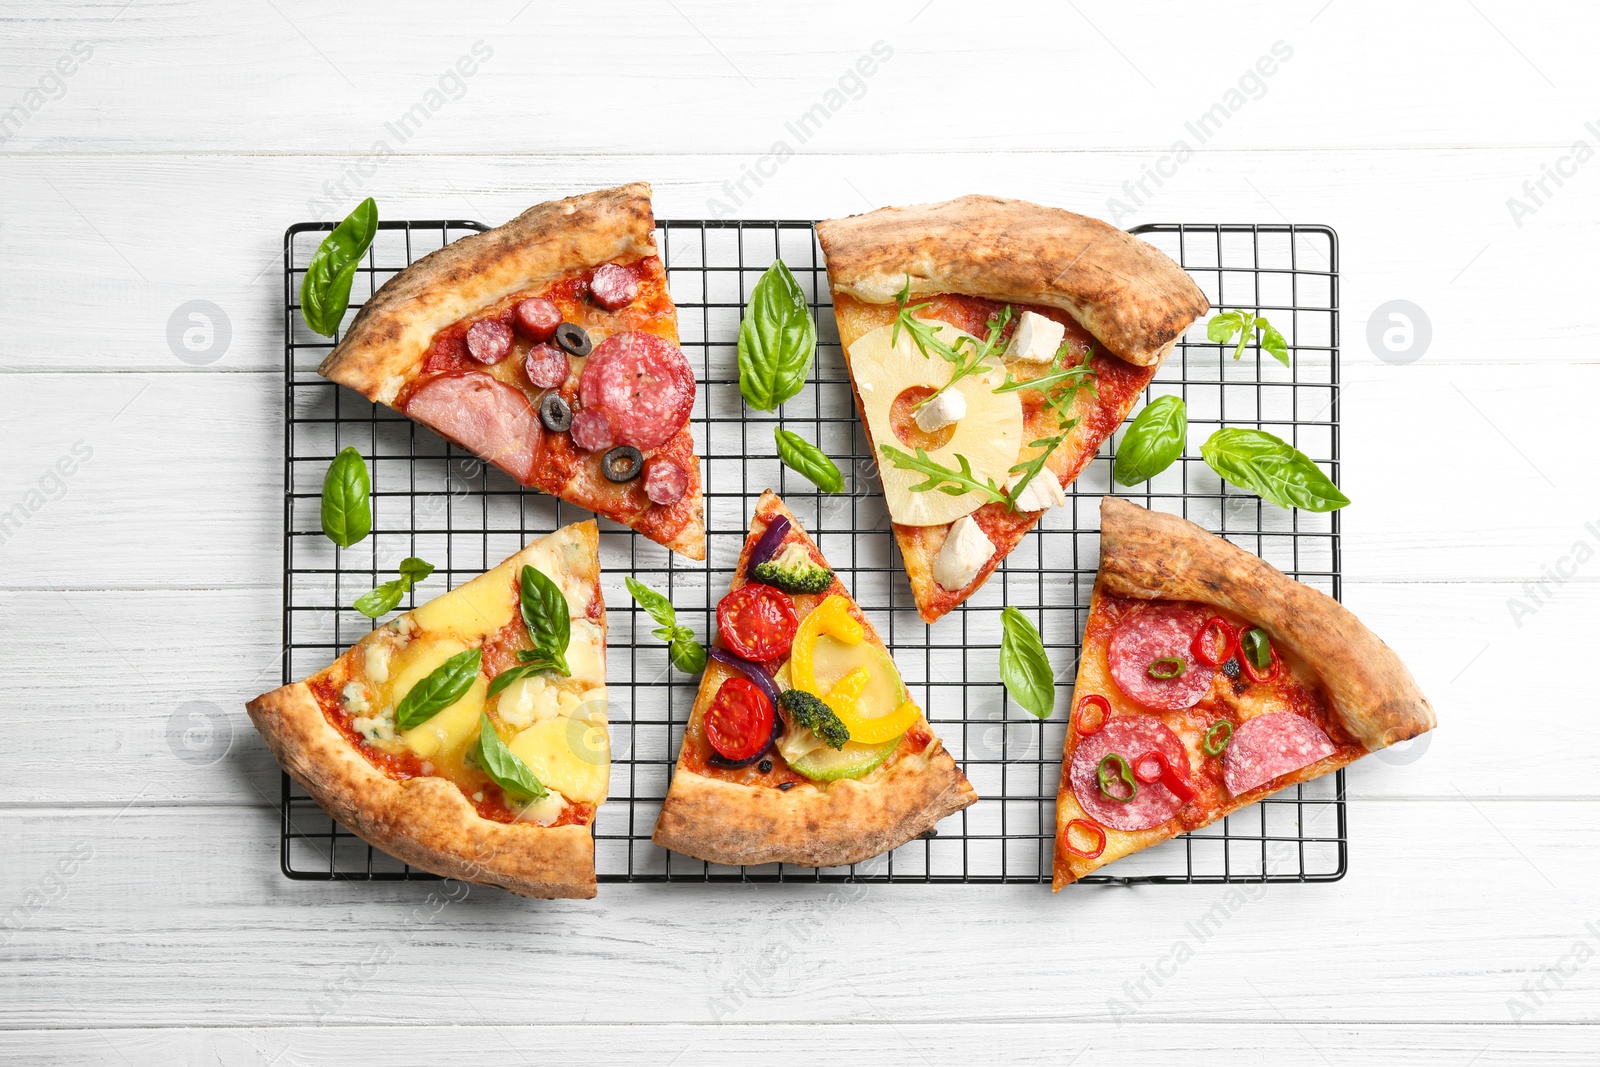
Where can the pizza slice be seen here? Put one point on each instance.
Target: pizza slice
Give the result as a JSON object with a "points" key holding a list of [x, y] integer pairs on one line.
{"points": [[1208, 680], [803, 745], [468, 737], [993, 345], [548, 347]]}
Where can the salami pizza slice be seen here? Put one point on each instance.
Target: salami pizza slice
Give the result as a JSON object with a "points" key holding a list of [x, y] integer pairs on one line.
{"points": [[1208, 680], [468, 737], [549, 347], [803, 745], [993, 346]]}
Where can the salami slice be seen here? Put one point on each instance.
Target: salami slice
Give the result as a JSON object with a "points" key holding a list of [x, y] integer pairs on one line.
{"points": [[488, 341], [1156, 632], [1269, 746], [613, 286], [643, 383], [591, 430], [665, 481], [546, 366], [536, 318], [485, 416], [1129, 736]]}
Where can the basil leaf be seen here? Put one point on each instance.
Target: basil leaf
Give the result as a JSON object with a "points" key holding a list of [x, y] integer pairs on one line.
{"points": [[1271, 467], [413, 570], [1153, 441], [383, 599], [325, 289], [1024, 666], [1225, 326], [659, 607], [809, 461], [777, 339], [544, 611], [686, 653], [447, 684], [503, 680], [1272, 342], [346, 499], [503, 767]]}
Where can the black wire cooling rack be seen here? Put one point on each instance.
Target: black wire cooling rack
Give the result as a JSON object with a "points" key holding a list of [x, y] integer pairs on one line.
{"points": [[433, 500]]}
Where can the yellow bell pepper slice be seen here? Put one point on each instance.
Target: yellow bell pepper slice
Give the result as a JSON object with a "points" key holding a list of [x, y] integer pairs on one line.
{"points": [[833, 618]]}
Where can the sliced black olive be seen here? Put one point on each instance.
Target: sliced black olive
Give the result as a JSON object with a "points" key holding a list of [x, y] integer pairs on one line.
{"points": [[1231, 668], [785, 786], [555, 413], [622, 464], [571, 337], [766, 766]]}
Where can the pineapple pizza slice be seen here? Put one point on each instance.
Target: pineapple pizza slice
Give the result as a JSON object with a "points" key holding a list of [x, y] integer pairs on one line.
{"points": [[803, 745], [1208, 680], [993, 345], [468, 737]]}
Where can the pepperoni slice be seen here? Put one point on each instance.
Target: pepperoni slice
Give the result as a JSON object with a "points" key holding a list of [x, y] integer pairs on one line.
{"points": [[665, 482], [739, 722], [1156, 636], [613, 286], [546, 366], [536, 318], [485, 416], [1270, 746], [644, 383], [758, 622], [591, 430], [1129, 736], [489, 341]]}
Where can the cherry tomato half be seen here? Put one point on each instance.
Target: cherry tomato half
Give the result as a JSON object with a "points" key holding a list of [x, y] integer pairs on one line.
{"points": [[757, 622], [739, 723]]}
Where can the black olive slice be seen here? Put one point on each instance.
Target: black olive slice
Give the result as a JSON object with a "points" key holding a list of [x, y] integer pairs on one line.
{"points": [[622, 464], [572, 338], [555, 413]]}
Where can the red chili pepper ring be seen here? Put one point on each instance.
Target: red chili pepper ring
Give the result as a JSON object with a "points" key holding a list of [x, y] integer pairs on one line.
{"points": [[1093, 831], [1214, 653], [1091, 714]]}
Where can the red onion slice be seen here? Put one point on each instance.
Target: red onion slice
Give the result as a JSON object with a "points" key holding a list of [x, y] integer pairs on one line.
{"points": [[763, 681], [767, 546]]}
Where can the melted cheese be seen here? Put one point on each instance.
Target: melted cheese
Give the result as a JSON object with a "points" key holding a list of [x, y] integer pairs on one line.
{"points": [[568, 754], [475, 610], [453, 727], [586, 653]]}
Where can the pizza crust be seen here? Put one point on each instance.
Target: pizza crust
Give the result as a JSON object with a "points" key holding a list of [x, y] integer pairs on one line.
{"points": [[388, 339], [1150, 555], [1134, 299]]}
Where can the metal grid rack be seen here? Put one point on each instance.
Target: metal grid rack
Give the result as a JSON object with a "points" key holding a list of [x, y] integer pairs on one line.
{"points": [[434, 500]]}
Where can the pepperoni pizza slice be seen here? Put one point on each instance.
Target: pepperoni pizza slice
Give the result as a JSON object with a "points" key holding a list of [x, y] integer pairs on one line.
{"points": [[803, 745], [993, 345], [548, 347], [468, 737], [1208, 680]]}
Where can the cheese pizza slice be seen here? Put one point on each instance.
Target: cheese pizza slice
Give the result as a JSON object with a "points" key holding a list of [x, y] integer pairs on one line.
{"points": [[549, 347], [1208, 680], [993, 345], [803, 745], [468, 737]]}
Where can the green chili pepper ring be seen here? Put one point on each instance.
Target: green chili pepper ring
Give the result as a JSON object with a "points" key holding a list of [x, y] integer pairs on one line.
{"points": [[1121, 770]]}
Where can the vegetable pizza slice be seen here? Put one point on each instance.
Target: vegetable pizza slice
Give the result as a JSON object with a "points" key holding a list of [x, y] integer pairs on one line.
{"points": [[1208, 680], [468, 737], [549, 347], [803, 745], [993, 346]]}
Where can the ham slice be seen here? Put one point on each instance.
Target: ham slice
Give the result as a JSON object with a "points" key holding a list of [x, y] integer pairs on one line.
{"points": [[486, 417]]}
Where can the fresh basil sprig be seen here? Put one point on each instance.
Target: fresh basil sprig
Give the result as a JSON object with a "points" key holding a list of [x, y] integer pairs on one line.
{"points": [[1024, 666], [1154, 439], [685, 652], [347, 499], [942, 478], [1271, 467], [387, 596], [325, 290], [777, 339], [1226, 325], [502, 765], [809, 461], [447, 684], [544, 612]]}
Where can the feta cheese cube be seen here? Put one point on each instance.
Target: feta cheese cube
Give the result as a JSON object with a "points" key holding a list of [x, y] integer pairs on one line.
{"points": [[943, 410], [1041, 493], [965, 551], [1036, 339]]}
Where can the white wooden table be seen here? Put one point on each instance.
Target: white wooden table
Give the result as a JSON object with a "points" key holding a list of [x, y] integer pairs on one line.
{"points": [[156, 153]]}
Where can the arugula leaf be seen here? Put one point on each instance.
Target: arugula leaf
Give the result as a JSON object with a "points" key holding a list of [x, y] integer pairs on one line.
{"points": [[325, 290], [1060, 387], [777, 340], [1271, 467], [1226, 325], [386, 597], [346, 499], [942, 478], [965, 357], [809, 461], [686, 653], [1031, 468], [544, 612], [1154, 440], [447, 684], [1024, 667], [502, 765]]}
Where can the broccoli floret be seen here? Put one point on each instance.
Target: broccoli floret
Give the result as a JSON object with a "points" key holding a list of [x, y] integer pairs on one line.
{"points": [[809, 711], [794, 571]]}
